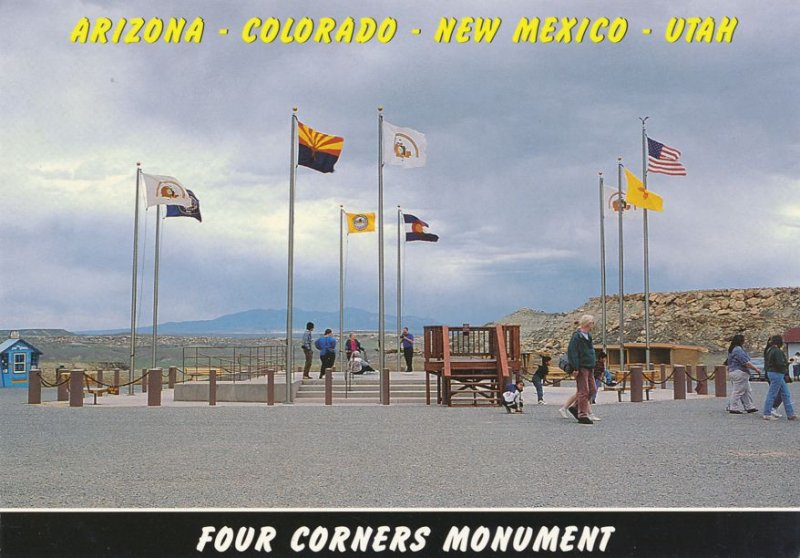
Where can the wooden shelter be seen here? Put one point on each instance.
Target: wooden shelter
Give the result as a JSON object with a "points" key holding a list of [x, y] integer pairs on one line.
{"points": [[660, 353], [472, 363]]}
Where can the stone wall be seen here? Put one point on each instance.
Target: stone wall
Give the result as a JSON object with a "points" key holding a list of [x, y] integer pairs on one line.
{"points": [[704, 318]]}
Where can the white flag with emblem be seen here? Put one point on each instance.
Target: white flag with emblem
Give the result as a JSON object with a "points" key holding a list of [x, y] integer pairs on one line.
{"points": [[165, 190], [403, 146]]}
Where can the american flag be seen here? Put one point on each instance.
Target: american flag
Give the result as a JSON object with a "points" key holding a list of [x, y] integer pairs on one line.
{"points": [[664, 159]]}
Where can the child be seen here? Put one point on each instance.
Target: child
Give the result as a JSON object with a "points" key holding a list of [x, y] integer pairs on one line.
{"points": [[539, 376], [512, 397]]}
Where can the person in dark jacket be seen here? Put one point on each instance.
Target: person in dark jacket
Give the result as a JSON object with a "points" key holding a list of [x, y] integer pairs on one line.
{"points": [[582, 359], [777, 366], [540, 376]]}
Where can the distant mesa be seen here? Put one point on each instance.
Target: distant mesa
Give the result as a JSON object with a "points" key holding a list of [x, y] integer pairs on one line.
{"points": [[273, 322]]}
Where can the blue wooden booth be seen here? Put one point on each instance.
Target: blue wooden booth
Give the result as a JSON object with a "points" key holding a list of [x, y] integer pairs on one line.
{"points": [[17, 357]]}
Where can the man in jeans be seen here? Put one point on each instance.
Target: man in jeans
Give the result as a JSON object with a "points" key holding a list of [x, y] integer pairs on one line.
{"points": [[582, 359], [307, 350]]}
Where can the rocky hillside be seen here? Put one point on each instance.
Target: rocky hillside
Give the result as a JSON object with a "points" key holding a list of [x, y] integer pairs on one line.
{"points": [[704, 318]]}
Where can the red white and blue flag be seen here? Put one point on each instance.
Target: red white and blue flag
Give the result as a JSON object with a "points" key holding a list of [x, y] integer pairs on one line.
{"points": [[664, 159], [416, 230]]}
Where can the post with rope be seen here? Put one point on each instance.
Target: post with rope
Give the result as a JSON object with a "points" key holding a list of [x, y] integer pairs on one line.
{"points": [[116, 377], [144, 380], [76, 388], [702, 380], [172, 376], [155, 381], [720, 381], [689, 378], [35, 386], [679, 381], [100, 377], [663, 376], [63, 389], [637, 384]]}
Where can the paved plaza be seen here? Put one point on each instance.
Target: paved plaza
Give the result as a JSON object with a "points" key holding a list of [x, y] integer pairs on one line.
{"points": [[661, 453]]}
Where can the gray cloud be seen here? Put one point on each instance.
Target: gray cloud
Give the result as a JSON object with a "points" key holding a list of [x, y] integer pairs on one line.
{"points": [[516, 135]]}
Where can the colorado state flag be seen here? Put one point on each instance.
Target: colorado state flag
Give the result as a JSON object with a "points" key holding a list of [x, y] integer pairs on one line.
{"points": [[417, 229], [317, 151]]}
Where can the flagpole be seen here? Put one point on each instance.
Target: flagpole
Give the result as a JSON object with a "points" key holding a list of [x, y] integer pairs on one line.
{"points": [[646, 253], [381, 325], [621, 274], [133, 280], [155, 283], [341, 289], [399, 291], [290, 291], [603, 261]]}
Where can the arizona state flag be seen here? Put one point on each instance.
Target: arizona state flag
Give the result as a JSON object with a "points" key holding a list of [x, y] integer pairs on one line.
{"points": [[360, 222], [638, 196], [317, 151]]}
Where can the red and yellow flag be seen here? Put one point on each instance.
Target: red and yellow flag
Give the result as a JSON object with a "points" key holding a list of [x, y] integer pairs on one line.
{"points": [[639, 196]]}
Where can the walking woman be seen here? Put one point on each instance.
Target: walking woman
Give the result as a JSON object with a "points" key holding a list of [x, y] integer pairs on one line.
{"points": [[777, 366], [741, 400]]}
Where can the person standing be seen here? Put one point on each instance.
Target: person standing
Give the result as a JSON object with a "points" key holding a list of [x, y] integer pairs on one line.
{"points": [[741, 400], [307, 350], [327, 351], [582, 359], [777, 367], [407, 344], [539, 377]]}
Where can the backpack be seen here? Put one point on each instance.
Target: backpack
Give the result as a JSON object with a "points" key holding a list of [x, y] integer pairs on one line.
{"points": [[563, 364]]}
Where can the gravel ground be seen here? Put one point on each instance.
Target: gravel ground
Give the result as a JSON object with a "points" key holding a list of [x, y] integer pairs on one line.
{"points": [[654, 454]]}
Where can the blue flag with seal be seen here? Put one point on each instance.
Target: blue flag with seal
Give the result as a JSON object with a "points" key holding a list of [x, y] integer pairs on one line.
{"points": [[191, 211]]}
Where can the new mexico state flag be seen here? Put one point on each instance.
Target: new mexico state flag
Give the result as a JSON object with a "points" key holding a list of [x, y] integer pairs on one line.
{"points": [[638, 196]]}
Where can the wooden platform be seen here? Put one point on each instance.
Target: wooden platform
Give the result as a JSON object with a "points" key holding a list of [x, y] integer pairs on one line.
{"points": [[471, 364]]}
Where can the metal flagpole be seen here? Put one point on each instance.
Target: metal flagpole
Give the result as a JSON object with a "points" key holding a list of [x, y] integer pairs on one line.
{"points": [[646, 253], [155, 283], [399, 291], [133, 280], [621, 274], [341, 288], [603, 261], [290, 292], [381, 325]]}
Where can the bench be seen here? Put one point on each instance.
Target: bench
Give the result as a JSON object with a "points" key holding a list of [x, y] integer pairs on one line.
{"points": [[620, 389], [96, 391]]}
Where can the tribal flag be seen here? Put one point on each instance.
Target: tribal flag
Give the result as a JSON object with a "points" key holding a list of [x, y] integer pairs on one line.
{"points": [[165, 190], [317, 151], [180, 211], [664, 159], [360, 222], [416, 231], [613, 202], [640, 197], [403, 146]]}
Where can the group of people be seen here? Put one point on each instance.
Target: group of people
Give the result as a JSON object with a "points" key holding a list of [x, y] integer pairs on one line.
{"points": [[588, 368], [356, 355], [776, 372]]}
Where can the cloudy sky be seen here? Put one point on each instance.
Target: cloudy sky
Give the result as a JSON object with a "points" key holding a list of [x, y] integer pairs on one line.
{"points": [[517, 134]]}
